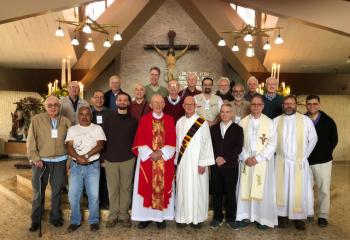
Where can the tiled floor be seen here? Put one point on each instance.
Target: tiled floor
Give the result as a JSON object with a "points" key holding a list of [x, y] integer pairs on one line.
{"points": [[15, 221]]}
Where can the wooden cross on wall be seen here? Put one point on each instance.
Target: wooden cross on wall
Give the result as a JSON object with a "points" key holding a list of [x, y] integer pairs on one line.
{"points": [[171, 36]]}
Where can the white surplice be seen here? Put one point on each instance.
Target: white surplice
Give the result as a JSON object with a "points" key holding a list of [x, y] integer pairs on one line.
{"points": [[289, 154], [263, 211], [138, 211], [192, 189]]}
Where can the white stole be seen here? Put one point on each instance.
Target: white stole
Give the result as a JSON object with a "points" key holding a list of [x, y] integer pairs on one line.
{"points": [[298, 171], [255, 189]]}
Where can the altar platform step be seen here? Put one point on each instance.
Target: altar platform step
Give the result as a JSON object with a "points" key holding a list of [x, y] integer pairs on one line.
{"points": [[19, 190]]}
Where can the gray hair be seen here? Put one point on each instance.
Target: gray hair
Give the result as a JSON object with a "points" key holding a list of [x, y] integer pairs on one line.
{"points": [[225, 79]]}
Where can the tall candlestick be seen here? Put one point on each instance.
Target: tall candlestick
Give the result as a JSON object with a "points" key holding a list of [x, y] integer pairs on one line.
{"points": [[63, 73], [69, 73], [49, 89]]}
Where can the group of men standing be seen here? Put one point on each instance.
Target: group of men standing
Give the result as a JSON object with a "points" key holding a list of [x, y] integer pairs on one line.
{"points": [[180, 140]]}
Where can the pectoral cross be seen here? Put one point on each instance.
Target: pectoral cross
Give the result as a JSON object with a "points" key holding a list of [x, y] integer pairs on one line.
{"points": [[263, 138]]}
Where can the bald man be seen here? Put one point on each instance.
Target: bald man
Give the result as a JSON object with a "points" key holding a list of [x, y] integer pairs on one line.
{"points": [[191, 89], [154, 144], [139, 106]]}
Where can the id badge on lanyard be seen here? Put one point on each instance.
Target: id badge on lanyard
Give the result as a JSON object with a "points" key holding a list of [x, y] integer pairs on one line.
{"points": [[54, 131], [99, 119]]}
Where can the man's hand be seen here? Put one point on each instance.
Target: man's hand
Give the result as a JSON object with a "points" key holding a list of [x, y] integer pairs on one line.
{"points": [[156, 155], [251, 161], [39, 164], [82, 160], [220, 161], [103, 164], [201, 170]]}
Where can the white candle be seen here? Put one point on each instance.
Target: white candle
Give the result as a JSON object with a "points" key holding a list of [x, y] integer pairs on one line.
{"points": [[81, 93], [69, 73], [50, 89], [63, 73], [55, 86], [278, 73]]}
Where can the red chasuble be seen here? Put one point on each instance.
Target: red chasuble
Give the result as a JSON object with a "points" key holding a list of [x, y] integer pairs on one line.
{"points": [[155, 177]]}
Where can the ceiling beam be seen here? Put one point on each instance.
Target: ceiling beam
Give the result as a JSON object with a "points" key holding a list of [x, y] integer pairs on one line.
{"points": [[130, 16], [18, 9], [215, 16], [330, 15]]}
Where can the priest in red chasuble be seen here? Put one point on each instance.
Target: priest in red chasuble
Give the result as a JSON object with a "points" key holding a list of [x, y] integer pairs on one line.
{"points": [[154, 144]]}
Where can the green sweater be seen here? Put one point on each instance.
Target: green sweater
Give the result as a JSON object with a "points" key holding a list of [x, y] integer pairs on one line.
{"points": [[149, 92]]}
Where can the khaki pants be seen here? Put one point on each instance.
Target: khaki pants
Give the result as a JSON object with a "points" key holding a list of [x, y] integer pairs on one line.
{"points": [[322, 178], [119, 182]]}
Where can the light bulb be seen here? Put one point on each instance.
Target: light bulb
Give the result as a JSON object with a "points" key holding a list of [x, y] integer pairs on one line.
{"points": [[250, 51], [267, 46], [221, 43], [235, 48], [75, 41], [279, 40], [90, 46], [107, 43], [248, 38], [117, 37], [87, 29], [59, 32]]}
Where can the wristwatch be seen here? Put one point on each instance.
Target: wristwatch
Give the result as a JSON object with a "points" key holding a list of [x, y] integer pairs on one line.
{"points": [[86, 156]]}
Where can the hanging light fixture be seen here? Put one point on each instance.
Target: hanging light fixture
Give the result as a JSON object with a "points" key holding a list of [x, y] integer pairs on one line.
{"points": [[87, 28], [267, 45], [235, 48], [279, 39], [59, 32], [75, 41], [250, 51], [221, 42], [107, 43], [117, 37], [90, 46], [248, 38]]}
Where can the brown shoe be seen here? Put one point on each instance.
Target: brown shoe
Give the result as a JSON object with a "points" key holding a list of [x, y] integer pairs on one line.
{"points": [[125, 223], [111, 223]]}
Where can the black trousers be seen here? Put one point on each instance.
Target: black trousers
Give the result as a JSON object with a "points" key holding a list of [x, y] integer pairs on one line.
{"points": [[104, 200], [57, 173], [224, 181]]}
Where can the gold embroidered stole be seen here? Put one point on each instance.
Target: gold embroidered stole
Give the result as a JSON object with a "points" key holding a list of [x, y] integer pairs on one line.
{"points": [[158, 138], [252, 179], [298, 169]]}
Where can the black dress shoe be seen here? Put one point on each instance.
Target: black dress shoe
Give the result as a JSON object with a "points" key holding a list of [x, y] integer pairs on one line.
{"points": [[322, 222], [283, 222], [57, 222], [73, 227], [181, 225], [196, 226], [94, 227], [143, 225], [161, 225], [299, 224], [34, 227]]}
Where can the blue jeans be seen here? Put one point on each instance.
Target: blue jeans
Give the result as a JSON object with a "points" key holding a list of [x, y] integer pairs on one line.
{"points": [[80, 176]]}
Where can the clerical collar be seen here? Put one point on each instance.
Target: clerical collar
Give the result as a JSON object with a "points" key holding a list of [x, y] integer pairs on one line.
{"points": [[171, 101], [157, 116], [270, 97]]}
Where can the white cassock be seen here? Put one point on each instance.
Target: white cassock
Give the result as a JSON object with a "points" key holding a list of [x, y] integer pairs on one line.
{"points": [[263, 211], [289, 153], [192, 189], [140, 213]]}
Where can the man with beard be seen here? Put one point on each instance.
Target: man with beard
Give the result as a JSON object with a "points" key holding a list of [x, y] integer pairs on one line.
{"points": [[224, 90], [239, 105], [191, 89], [296, 138], [120, 129], [208, 104]]}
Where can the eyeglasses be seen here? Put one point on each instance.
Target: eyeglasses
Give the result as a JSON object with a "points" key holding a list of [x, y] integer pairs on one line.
{"points": [[55, 105]]}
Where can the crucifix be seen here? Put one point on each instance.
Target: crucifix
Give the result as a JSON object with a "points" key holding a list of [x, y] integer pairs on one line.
{"points": [[263, 138], [170, 57]]}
